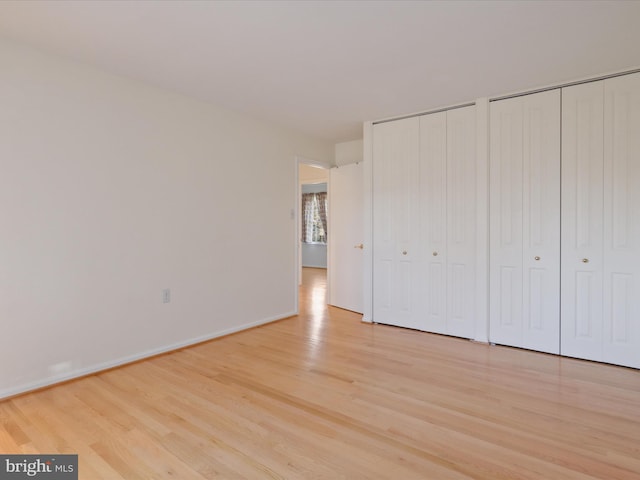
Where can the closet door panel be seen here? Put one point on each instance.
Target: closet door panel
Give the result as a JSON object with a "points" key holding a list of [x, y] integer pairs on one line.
{"points": [[525, 222], [621, 325], [433, 178], [395, 203], [541, 222], [384, 237], [582, 221], [505, 228], [461, 221]]}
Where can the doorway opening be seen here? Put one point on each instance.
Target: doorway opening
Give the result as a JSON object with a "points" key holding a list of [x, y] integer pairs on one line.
{"points": [[312, 238], [342, 233]]}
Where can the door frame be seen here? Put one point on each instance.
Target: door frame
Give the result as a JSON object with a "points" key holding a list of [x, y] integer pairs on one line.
{"points": [[300, 160], [367, 274]]}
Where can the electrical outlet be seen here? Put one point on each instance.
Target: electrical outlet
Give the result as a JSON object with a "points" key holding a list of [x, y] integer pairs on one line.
{"points": [[166, 295]]}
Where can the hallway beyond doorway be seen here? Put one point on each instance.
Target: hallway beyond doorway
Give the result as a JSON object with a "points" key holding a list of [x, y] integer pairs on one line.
{"points": [[313, 292]]}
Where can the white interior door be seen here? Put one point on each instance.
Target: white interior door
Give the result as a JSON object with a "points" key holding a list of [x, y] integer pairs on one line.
{"points": [[346, 230]]}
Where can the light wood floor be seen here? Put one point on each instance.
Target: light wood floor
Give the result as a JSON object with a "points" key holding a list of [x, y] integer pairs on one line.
{"points": [[323, 395]]}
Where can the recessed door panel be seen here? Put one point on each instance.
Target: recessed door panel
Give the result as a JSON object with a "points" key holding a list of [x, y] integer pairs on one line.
{"points": [[535, 314], [621, 309], [587, 292], [436, 293], [403, 286], [384, 277], [509, 309], [458, 278]]}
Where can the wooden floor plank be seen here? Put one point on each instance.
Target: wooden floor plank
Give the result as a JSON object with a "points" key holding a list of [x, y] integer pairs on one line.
{"points": [[324, 396]]}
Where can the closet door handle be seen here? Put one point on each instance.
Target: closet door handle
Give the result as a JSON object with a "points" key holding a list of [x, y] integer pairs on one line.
{"points": [[435, 254], [585, 260], [536, 258], [404, 252]]}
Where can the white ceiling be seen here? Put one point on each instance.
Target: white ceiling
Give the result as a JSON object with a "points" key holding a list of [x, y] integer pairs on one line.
{"points": [[323, 67]]}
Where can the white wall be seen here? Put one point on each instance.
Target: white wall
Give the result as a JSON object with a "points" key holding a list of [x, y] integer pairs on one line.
{"points": [[349, 152], [314, 255], [112, 190]]}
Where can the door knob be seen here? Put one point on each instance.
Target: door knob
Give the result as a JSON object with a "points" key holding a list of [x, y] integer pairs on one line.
{"points": [[404, 252], [360, 246], [435, 254], [536, 258], [585, 260]]}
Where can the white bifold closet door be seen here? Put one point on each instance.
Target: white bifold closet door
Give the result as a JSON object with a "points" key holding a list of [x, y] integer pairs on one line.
{"points": [[524, 269], [396, 254], [582, 220], [433, 208], [601, 221], [621, 300], [448, 210], [462, 204]]}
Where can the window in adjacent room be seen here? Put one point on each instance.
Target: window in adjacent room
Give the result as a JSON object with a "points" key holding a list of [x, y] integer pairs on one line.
{"points": [[314, 217]]}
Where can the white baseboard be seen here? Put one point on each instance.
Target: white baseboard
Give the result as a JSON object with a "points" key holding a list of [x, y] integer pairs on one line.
{"points": [[83, 372]]}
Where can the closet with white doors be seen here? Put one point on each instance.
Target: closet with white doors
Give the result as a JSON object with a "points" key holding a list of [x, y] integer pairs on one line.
{"points": [[424, 222], [600, 314], [565, 221]]}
